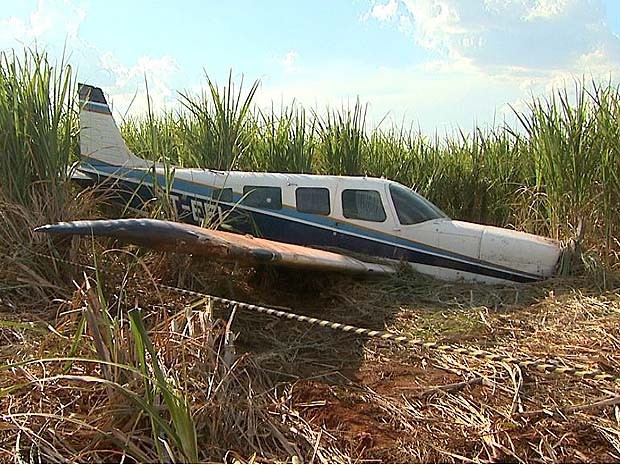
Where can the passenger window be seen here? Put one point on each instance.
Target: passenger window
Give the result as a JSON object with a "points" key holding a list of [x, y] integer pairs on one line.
{"points": [[222, 195], [362, 205], [262, 197], [312, 200]]}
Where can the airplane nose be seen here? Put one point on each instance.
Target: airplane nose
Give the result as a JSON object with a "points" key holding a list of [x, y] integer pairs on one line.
{"points": [[526, 252]]}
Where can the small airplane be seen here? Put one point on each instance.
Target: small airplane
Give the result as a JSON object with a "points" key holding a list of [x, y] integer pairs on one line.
{"points": [[302, 218]]}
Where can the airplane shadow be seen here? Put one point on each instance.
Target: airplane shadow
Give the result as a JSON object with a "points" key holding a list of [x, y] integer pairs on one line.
{"points": [[407, 303]]}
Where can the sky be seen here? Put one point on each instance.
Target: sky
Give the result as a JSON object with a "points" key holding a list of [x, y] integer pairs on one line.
{"points": [[434, 64]]}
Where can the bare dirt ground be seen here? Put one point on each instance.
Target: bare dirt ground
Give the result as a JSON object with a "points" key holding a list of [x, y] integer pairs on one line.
{"points": [[390, 403], [303, 393]]}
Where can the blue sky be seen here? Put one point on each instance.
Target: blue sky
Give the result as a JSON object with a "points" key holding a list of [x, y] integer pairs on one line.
{"points": [[436, 64]]}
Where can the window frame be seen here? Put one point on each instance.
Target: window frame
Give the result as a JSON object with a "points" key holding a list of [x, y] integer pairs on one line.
{"points": [[313, 211], [424, 208], [221, 195], [247, 193], [381, 203]]}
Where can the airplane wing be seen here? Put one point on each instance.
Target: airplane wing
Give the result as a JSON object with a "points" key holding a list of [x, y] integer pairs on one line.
{"points": [[219, 245]]}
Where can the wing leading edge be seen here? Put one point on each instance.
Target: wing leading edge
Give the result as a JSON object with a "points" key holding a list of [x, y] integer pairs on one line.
{"points": [[219, 245]]}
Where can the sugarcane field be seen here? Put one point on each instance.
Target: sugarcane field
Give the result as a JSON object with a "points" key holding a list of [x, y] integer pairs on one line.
{"points": [[227, 281]]}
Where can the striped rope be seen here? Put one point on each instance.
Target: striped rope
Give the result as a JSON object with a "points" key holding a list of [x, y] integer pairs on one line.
{"points": [[540, 366]]}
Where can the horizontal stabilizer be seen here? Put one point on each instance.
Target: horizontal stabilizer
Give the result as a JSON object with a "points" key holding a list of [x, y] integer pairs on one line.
{"points": [[219, 245]]}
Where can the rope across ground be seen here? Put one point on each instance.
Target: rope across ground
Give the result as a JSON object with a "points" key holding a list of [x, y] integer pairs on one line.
{"points": [[544, 367]]}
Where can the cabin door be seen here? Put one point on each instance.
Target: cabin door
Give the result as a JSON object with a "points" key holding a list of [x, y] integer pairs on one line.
{"points": [[366, 220]]}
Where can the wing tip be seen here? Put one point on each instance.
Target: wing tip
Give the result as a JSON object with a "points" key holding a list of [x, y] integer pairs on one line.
{"points": [[66, 227], [47, 228]]}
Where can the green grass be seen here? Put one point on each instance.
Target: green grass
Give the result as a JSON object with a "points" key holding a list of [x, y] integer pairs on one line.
{"points": [[38, 122], [38, 145], [556, 168], [124, 373]]}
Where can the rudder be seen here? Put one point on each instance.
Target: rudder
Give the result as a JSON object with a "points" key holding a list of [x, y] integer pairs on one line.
{"points": [[101, 141]]}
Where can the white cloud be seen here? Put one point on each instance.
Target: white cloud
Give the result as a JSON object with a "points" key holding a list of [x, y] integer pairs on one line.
{"points": [[383, 11], [42, 19], [51, 20], [406, 95], [55, 25], [515, 49], [498, 36], [74, 22], [485, 53], [547, 9], [405, 25], [12, 29], [290, 61], [128, 89]]}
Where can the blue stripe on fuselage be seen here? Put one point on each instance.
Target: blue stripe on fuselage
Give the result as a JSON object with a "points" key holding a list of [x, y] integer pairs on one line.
{"points": [[97, 107], [289, 225]]}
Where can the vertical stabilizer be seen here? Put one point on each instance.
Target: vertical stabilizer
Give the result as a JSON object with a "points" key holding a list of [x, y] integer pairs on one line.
{"points": [[100, 138]]}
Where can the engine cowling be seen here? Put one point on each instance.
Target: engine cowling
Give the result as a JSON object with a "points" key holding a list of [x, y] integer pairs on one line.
{"points": [[518, 250]]}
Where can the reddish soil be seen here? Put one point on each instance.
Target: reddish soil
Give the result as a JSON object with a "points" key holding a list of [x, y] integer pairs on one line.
{"points": [[364, 426], [394, 378], [358, 423]]}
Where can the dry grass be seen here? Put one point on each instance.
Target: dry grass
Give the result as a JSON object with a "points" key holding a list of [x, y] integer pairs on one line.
{"points": [[265, 390], [74, 395], [108, 368]]}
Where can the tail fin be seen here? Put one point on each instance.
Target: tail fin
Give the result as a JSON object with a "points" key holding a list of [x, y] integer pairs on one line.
{"points": [[100, 139]]}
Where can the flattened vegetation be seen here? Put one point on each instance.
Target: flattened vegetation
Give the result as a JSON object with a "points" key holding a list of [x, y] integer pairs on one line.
{"points": [[255, 388]]}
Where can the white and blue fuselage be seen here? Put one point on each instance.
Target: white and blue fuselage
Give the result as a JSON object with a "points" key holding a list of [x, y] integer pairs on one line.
{"points": [[370, 216]]}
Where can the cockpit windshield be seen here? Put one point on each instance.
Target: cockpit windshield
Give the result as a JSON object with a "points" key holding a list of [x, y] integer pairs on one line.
{"points": [[412, 208]]}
